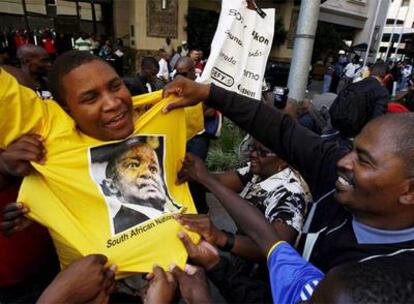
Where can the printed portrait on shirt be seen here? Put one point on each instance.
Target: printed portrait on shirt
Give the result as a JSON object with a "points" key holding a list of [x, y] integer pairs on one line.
{"points": [[130, 175]]}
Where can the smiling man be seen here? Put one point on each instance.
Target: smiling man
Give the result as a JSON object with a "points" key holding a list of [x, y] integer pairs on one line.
{"points": [[364, 198], [101, 105], [94, 110]]}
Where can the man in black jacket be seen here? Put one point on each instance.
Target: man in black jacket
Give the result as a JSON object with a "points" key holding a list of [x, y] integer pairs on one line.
{"points": [[364, 198], [360, 102], [146, 81], [377, 94]]}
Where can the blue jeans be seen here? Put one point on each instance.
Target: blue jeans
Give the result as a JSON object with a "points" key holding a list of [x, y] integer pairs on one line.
{"points": [[327, 79]]}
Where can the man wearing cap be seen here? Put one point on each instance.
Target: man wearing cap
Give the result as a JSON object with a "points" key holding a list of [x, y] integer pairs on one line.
{"points": [[184, 48]]}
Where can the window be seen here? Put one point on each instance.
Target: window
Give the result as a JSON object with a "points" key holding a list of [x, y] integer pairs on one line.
{"points": [[391, 22], [405, 3], [361, 2]]}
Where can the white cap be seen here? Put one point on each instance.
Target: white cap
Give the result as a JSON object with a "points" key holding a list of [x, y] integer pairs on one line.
{"points": [[184, 42]]}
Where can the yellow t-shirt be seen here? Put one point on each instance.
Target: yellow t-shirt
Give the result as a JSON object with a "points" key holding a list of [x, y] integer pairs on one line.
{"points": [[114, 198]]}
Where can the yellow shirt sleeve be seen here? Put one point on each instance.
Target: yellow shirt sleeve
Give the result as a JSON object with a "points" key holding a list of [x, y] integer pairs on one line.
{"points": [[193, 115], [22, 111]]}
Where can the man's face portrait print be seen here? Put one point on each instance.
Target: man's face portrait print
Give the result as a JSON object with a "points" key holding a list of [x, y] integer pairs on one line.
{"points": [[130, 175]]}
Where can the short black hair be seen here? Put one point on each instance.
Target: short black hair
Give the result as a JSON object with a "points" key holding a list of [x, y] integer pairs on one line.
{"points": [[400, 127], [150, 63], [382, 280], [62, 66], [379, 69]]}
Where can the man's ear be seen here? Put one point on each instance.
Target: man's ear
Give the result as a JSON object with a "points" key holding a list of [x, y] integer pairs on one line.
{"points": [[109, 188], [407, 198]]}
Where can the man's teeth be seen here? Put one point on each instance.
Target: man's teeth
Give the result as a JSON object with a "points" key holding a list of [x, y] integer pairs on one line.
{"points": [[118, 117], [343, 181]]}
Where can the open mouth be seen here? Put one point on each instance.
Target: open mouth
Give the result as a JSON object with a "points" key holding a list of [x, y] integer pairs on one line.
{"points": [[118, 121], [344, 184]]}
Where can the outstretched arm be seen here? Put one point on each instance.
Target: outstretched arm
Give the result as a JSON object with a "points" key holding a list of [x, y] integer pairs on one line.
{"points": [[247, 217], [314, 158]]}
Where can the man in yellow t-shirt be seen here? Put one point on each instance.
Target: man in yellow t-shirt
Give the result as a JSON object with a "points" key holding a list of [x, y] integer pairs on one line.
{"points": [[72, 194]]}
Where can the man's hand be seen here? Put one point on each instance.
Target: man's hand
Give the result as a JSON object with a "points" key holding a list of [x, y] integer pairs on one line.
{"points": [[13, 219], [193, 169], [188, 92], [86, 280], [15, 160], [193, 284], [162, 287], [203, 254], [201, 224]]}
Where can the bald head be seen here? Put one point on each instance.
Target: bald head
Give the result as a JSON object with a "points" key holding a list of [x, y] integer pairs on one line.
{"points": [[30, 50], [185, 62], [185, 67], [34, 60]]}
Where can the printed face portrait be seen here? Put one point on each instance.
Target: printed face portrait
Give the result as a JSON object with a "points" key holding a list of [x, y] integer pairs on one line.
{"points": [[130, 175], [137, 176]]}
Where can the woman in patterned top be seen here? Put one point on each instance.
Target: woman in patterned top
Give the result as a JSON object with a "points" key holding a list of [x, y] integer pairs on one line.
{"points": [[272, 186], [278, 192]]}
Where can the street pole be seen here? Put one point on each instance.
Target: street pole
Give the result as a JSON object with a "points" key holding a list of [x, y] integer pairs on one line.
{"points": [[303, 48], [371, 35], [26, 19], [94, 17]]}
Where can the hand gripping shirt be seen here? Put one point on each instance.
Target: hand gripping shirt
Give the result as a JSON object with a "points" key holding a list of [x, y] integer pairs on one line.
{"points": [[115, 198]]}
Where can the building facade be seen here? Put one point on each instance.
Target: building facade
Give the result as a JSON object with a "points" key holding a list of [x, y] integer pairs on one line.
{"points": [[356, 17], [364, 18], [146, 24], [63, 16], [398, 37]]}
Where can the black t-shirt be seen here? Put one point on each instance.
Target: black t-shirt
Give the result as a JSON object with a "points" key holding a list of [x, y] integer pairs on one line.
{"points": [[328, 226]]}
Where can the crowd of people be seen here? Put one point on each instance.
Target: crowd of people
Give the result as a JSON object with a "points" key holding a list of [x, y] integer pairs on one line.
{"points": [[56, 43], [324, 207], [340, 72]]}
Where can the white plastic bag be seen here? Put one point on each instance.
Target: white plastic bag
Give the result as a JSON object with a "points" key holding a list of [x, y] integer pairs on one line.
{"points": [[240, 49]]}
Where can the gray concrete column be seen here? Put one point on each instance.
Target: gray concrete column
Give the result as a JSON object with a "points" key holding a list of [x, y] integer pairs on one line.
{"points": [[303, 48]]}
